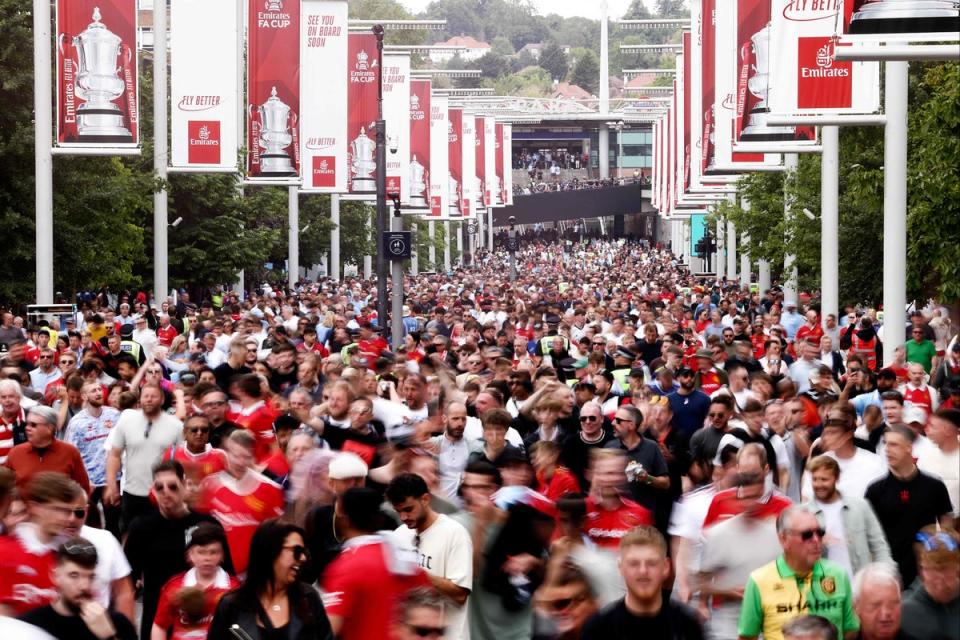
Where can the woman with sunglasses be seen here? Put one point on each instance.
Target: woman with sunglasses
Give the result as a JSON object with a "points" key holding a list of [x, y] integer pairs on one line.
{"points": [[272, 604]]}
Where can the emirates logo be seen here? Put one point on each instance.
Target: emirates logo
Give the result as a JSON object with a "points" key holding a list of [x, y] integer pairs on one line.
{"points": [[362, 64], [825, 56], [204, 133], [323, 166], [273, 5]]}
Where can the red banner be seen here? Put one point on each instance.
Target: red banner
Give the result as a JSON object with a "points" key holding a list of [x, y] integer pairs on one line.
{"points": [[753, 68], [687, 149], [97, 99], [708, 84], [419, 143], [480, 145], [455, 168], [273, 89], [498, 164], [363, 66]]}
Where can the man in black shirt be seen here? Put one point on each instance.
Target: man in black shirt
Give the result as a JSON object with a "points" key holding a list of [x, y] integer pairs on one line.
{"points": [[592, 434], [75, 614], [157, 543], [645, 612], [906, 500]]}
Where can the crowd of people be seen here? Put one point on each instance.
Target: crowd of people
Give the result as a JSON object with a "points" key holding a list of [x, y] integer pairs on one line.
{"points": [[574, 184], [609, 448], [532, 160]]}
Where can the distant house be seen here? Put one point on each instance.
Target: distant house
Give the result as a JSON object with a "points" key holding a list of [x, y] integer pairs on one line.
{"points": [[472, 49], [536, 48], [567, 91]]}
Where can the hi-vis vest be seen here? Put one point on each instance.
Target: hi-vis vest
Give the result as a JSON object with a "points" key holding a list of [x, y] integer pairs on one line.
{"points": [[866, 349], [131, 347], [547, 341]]}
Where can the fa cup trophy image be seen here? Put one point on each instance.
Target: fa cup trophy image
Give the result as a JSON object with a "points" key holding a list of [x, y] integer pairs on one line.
{"points": [[99, 84], [478, 192], [758, 84], [453, 190], [362, 164], [418, 184], [906, 16], [275, 137], [497, 191]]}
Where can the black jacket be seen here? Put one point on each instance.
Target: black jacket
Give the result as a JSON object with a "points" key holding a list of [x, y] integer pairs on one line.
{"points": [[231, 611]]}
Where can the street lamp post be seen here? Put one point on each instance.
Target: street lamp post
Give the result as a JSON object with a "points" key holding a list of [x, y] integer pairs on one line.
{"points": [[382, 218]]}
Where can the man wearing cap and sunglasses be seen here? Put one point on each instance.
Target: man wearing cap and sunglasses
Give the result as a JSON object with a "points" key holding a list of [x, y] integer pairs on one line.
{"points": [[797, 583]]}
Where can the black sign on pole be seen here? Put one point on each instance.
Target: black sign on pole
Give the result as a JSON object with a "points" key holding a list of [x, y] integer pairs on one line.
{"points": [[512, 244], [397, 244]]}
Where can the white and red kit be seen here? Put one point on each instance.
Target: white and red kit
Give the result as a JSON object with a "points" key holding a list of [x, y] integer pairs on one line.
{"points": [[240, 506], [198, 466], [165, 335], [8, 432], [606, 527], [26, 565], [258, 418], [172, 619], [923, 397]]}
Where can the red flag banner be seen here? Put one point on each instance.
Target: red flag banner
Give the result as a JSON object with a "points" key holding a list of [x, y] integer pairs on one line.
{"points": [[363, 64], [97, 92], [273, 89]]}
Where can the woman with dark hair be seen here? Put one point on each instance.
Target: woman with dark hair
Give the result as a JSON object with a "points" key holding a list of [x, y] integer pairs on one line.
{"points": [[272, 604]]}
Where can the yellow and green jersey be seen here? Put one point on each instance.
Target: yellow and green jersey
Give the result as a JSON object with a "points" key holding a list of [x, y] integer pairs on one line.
{"points": [[775, 594]]}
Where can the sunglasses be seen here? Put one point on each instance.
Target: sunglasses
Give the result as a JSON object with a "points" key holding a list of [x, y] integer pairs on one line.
{"points": [[619, 420], [298, 550], [588, 418], [427, 632], [79, 513], [172, 487], [808, 534], [563, 604], [199, 430]]}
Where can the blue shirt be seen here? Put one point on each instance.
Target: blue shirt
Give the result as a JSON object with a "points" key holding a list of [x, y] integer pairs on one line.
{"points": [[88, 434], [690, 411]]}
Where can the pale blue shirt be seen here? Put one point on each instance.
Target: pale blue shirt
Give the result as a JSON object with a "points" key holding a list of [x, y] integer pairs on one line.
{"points": [[88, 433]]}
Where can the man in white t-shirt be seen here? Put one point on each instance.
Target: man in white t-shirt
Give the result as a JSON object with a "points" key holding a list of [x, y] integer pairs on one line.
{"points": [[112, 587], [443, 546], [136, 443], [943, 460], [858, 467]]}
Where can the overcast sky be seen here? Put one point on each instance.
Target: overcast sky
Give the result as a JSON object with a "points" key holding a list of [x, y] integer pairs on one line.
{"points": [[565, 8]]}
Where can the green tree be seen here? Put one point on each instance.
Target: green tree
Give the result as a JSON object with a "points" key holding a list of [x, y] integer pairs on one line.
{"points": [[933, 250], [492, 65], [554, 61], [637, 11], [586, 72], [502, 46], [672, 9]]}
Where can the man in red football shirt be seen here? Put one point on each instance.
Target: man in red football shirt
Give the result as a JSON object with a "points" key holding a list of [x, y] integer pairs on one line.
{"points": [[188, 600], [751, 460], [239, 497], [28, 555], [198, 457], [609, 514], [252, 413], [368, 570], [166, 332]]}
